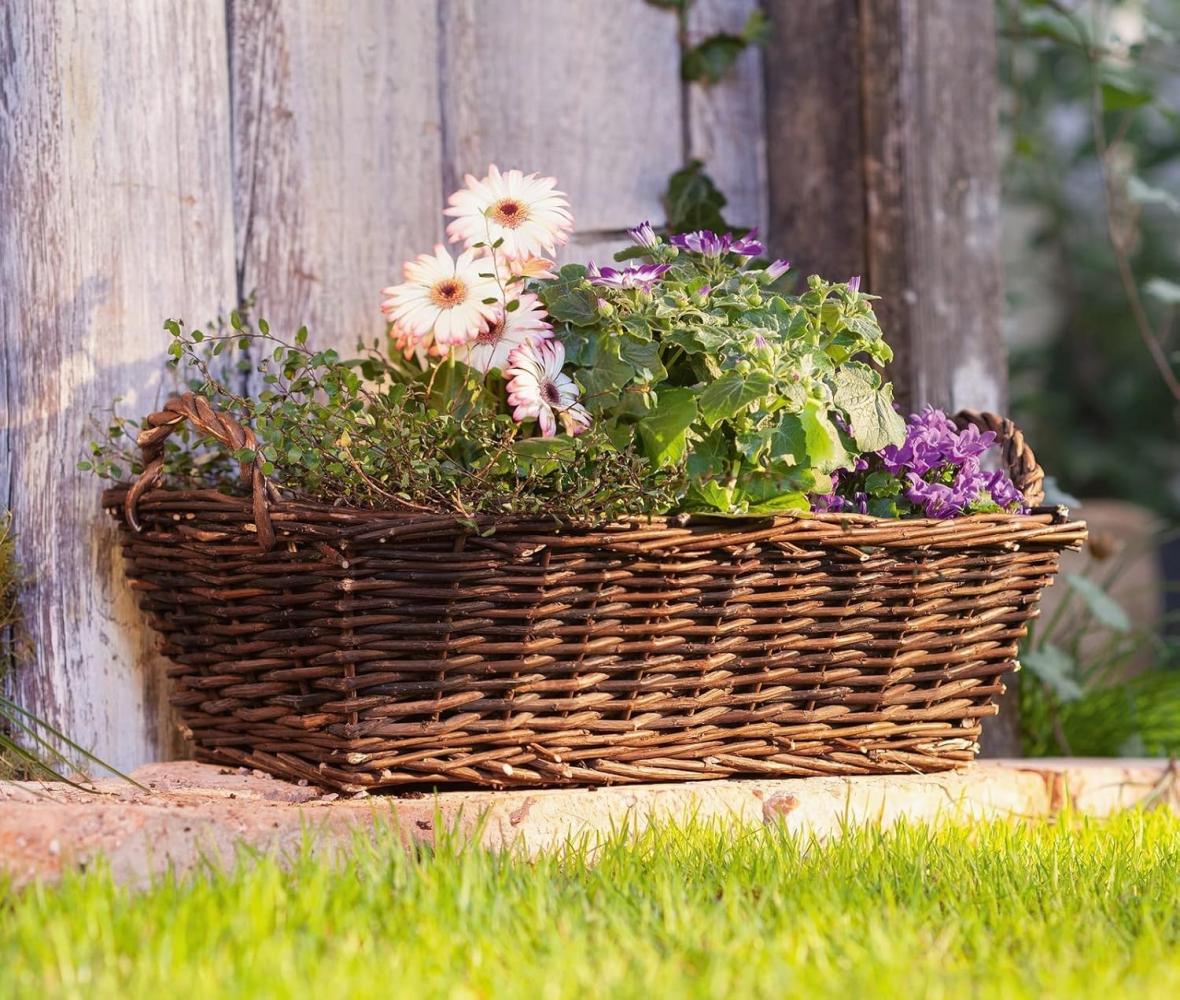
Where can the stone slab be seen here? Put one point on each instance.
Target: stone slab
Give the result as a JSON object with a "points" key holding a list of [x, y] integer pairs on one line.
{"points": [[190, 815]]}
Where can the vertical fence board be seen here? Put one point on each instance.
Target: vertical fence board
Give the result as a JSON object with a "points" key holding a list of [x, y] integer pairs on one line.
{"points": [[815, 177], [583, 90], [726, 126], [931, 170], [337, 148], [114, 212]]}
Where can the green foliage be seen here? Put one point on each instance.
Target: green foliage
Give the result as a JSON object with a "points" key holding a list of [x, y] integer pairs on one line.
{"points": [[1090, 182], [1094, 683], [693, 201], [376, 431], [742, 391], [713, 57], [1074, 908]]}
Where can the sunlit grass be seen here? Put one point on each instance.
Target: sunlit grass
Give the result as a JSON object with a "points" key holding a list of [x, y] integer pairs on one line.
{"points": [[1073, 908]]}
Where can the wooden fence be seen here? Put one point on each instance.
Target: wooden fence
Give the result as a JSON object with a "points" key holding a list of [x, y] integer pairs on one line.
{"points": [[162, 158]]}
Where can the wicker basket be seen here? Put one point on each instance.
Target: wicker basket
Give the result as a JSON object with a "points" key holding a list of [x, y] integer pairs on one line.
{"points": [[369, 649]]}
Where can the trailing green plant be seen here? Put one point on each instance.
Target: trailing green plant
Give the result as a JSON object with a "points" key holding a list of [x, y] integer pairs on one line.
{"points": [[375, 430]]}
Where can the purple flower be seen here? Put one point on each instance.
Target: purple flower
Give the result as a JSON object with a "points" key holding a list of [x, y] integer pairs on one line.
{"points": [[776, 269], [854, 283], [642, 276], [1004, 492], [644, 236], [749, 245], [710, 244]]}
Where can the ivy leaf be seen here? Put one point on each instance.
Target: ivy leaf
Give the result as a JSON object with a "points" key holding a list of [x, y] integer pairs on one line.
{"points": [[732, 393], [1056, 669], [607, 375], [1102, 606], [664, 432], [712, 59], [869, 407], [693, 201]]}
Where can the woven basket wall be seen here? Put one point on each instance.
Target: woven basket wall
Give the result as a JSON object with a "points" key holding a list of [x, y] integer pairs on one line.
{"points": [[366, 650]]}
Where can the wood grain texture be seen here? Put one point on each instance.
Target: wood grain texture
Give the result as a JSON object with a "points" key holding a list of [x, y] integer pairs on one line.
{"points": [[815, 174], [587, 91], [726, 126], [933, 205], [337, 156], [114, 212]]}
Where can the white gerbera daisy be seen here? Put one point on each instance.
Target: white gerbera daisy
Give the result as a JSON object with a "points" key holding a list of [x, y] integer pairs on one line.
{"points": [[540, 390], [508, 331], [526, 212], [442, 299]]}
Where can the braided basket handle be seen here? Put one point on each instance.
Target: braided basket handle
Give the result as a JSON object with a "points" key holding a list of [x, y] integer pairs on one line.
{"points": [[1027, 474], [197, 411]]}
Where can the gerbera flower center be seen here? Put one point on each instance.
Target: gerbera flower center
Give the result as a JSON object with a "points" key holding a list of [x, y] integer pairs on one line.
{"points": [[509, 212], [491, 334], [550, 393], [448, 292]]}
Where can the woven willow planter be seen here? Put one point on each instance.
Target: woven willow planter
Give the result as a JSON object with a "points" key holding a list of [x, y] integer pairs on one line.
{"points": [[370, 649]]}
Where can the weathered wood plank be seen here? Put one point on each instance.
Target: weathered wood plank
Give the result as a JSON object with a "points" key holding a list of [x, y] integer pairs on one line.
{"points": [[586, 91], [933, 205], [815, 180], [337, 156], [114, 213], [881, 120], [726, 124]]}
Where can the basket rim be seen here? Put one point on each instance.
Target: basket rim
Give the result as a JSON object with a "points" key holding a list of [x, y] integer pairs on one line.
{"points": [[1049, 526]]}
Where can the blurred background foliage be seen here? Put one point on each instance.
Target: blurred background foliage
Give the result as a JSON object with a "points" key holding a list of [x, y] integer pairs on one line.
{"points": [[1091, 125]]}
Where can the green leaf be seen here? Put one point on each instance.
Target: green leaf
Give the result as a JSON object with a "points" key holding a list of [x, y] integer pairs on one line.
{"points": [[1056, 669], [824, 448], [1164, 290], [1102, 606], [664, 432], [693, 201], [541, 447], [732, 393], [869, 407], [644, 358], [712, 59], [575, 304], [1139, 191]]}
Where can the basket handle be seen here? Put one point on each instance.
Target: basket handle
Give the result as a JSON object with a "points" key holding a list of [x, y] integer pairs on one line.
{"points": [[197, 411], [1027, 474]]}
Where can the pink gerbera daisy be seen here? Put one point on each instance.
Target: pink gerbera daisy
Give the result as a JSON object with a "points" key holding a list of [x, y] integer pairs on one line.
{"points": [[539, 389], [443, 301], [527, 213], [508, 331]]}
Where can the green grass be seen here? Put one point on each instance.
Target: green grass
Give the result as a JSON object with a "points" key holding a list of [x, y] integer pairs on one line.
{"points": [[1072, 908]]}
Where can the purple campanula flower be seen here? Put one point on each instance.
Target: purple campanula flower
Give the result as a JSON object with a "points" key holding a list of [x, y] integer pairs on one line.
{"points": [[644, 236], [641, 276], [854, 283], [1004, 493]]}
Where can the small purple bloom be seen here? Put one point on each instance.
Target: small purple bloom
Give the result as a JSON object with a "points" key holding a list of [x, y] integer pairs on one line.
{"points": [[854, 283], [644, 236], [641, 276], [710, 244], [748, 246], [776, 269]]}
